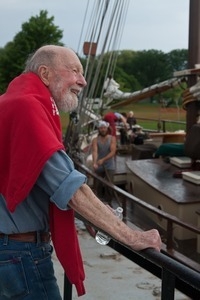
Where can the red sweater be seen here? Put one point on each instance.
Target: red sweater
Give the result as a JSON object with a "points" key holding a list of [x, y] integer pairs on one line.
{"points": [[30, 133]]}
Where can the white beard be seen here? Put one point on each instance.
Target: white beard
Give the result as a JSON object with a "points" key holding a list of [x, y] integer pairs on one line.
{"points": [[68, 103], [65, 102]]}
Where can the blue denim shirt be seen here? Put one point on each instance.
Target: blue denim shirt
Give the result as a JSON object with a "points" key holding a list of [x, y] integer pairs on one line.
{"points": [[58, 181]]}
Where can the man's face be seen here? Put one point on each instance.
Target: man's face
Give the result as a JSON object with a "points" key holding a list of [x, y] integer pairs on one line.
{"points": [[67, 81], [103, 130]]}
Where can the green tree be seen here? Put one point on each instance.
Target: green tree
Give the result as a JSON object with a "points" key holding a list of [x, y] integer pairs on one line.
{"points": [[150, 67], [38, 31], [128, 82], [125, 59], [123, 73], [136, 70], [178, 59]]}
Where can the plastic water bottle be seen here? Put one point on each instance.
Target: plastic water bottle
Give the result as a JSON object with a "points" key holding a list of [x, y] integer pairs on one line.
{"points": [[101, 237]]}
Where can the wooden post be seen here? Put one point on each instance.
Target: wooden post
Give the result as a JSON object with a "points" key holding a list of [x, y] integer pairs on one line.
{"points": [[193, 108]]}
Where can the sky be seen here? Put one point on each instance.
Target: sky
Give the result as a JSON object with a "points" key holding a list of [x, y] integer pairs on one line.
{"points": [[150, 24]]}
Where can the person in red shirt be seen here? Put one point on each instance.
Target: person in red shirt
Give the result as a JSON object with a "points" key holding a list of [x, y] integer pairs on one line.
{"points": [[112, 118]]}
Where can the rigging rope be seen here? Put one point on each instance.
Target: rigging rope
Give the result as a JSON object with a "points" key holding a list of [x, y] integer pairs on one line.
{"points": [[188, 97], [104, 29], [109, 14], [82, 29]]}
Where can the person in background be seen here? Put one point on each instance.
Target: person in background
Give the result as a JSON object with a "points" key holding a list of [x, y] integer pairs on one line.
{"points": [[40, 189], [131, 120], [112, 118], [103, 152], [138, 135]]}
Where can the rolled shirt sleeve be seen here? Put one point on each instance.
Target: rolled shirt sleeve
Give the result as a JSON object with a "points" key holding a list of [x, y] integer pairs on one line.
{"points": [[60, 179]]}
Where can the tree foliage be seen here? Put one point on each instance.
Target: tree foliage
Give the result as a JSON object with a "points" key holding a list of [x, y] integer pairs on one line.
{"points": [[134, 70], [150, 67], [38, 31], [177, 59]]}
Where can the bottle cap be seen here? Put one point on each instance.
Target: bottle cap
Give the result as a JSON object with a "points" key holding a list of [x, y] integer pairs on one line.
{"points": [[119, 209]]}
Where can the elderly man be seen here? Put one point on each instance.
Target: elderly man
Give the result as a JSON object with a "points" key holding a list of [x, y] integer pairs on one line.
{"points": [[39, 186]]}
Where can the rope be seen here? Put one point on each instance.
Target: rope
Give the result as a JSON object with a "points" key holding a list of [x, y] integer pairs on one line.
{"points": [[191, 94], [84, 20], [187, 98], [108, 16], [105, 21]]}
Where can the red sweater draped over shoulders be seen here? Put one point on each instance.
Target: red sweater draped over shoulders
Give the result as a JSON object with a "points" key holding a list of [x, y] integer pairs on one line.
{"points": [[30, 133]]}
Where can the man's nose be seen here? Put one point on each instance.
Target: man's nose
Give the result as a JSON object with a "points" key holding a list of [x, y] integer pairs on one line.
{"points": [[81, 80]]}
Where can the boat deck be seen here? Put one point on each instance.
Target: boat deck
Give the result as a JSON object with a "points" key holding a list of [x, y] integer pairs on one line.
{"points": [[159, 175], [153, 181], [180, 199]]}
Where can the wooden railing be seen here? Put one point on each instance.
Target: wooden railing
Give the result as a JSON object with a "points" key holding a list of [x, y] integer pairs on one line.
{"points": [[163, 125]]}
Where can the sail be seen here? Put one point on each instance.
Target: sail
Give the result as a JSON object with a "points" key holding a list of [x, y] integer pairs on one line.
{"points": [[111, 88], [146, 92]]}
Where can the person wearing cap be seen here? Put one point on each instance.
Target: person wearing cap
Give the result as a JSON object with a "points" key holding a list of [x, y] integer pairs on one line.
{"points": [[103, 152]]}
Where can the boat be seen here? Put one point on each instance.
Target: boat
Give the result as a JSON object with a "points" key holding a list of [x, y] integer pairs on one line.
{"points": [[155, 181]]}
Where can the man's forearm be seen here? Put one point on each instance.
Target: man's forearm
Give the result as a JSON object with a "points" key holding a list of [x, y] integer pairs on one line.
{"points": [[94, 157], [110, 155], [91, 208]]}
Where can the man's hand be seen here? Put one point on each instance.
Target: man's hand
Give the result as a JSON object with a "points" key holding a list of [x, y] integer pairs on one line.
{"points": [[147, 239]]}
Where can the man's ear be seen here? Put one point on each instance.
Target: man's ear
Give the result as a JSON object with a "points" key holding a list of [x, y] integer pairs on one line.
{"points": [[44, 73]]}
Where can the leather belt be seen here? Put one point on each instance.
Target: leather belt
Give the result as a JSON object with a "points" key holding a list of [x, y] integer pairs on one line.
{"points": [[29, 237]]}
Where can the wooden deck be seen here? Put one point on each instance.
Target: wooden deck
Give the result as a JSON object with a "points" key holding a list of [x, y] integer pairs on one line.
{"points": [[159, 175], [152, 180]]}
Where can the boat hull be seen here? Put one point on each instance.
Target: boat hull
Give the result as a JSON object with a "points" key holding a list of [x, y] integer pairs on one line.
{"points": [[152, 181]]}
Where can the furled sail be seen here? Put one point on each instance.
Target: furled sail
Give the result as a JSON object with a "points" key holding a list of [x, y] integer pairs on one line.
{"points": [[146, 92]]}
